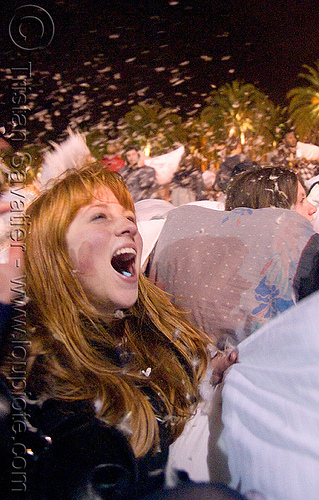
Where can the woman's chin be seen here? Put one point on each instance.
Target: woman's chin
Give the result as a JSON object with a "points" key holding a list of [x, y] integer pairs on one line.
{"points": [[112, 310]]}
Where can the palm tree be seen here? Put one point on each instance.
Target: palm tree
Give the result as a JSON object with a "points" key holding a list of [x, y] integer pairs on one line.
{"points": [[150, 124], [303, 109], [241, 110]]}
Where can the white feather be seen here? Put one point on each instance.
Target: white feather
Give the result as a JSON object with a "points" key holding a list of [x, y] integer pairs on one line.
{"points": [[72, 153]]}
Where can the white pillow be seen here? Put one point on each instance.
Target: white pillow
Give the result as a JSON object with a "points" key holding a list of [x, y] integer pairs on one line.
{"points": [[271, 407]]}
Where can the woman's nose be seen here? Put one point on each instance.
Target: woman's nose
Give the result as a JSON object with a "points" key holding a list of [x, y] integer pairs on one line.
{"points": [[312, 209], [125, 226]]}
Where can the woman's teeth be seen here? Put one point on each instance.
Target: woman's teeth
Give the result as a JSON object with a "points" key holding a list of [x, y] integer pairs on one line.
{"points": [[125, 250]]}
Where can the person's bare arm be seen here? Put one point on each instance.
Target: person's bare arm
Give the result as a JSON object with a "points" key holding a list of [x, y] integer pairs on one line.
{"points": [[4, 206], [9, 271]]}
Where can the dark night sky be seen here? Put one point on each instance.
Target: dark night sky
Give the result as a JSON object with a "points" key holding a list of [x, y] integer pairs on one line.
{"points": [[121, 52]]}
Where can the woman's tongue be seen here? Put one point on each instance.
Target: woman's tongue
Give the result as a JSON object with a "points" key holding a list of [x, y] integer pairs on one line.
{"points": [[123, 264]]}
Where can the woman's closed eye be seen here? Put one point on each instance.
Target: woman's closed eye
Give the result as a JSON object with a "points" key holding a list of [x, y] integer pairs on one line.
{"points": [[131, 218], [98, 216]]}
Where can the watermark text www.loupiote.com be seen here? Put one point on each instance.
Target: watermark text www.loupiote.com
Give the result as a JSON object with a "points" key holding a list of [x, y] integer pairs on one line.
{"points": [[31, 28]]}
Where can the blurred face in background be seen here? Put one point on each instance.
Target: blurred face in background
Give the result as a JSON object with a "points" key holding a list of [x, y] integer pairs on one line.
{"points": [[303, 206], [132, 156], [290, 140]]}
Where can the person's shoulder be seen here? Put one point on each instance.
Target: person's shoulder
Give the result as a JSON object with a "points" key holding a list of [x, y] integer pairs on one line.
{"points": [[124, 171], [147, 168], [146, 171]]}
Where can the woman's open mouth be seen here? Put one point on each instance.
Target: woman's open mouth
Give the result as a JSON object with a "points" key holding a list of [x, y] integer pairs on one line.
{"points": [[123, 261]]}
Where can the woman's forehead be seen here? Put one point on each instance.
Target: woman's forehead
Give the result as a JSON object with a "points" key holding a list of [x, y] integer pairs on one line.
{"points": [[104, 194], [301, 189]]}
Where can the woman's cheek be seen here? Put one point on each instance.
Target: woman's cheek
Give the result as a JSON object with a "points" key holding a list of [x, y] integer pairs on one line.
{"points": [[83, 257]]}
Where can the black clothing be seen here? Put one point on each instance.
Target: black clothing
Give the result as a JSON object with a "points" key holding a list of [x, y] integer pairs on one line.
{"points": [[307, 276], [71, 454], [5, 318], [227, 167]]}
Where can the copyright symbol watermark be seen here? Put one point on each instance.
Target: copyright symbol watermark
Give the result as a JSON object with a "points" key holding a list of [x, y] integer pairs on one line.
{"points": [[31, 27]]}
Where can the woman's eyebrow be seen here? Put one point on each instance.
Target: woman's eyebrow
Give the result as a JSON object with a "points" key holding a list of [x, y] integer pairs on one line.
{"points": [[97, 203]]}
